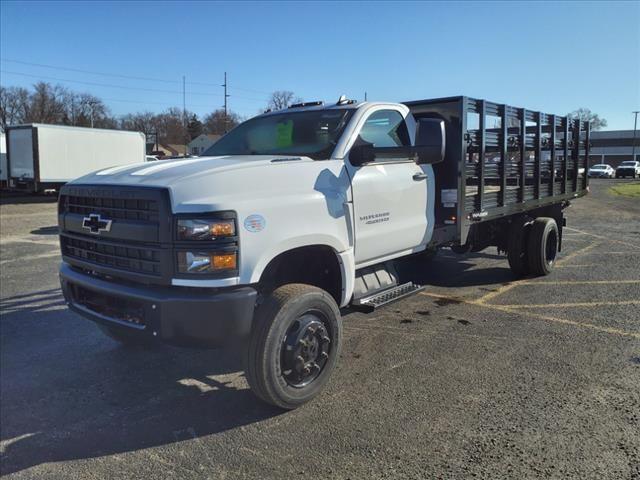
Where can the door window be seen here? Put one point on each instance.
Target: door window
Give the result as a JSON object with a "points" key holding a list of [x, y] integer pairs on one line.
{"points": [[386, 128]]}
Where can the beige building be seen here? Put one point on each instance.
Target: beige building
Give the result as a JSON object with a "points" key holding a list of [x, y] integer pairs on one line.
{"points": [[198, 145], [169, 150]]}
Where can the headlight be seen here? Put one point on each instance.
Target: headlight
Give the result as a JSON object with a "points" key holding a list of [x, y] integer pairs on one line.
{"points": [[205, 229], [206, 262]]}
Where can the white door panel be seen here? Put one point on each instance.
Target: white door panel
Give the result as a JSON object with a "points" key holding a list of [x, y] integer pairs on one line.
{"points": [[390, 209]]}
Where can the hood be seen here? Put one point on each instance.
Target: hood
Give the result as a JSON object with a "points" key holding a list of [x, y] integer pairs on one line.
{"points": [[230, 182], [166, 173]]}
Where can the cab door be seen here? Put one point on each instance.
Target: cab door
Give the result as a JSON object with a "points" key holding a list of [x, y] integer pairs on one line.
{"points": [[390, 197]]}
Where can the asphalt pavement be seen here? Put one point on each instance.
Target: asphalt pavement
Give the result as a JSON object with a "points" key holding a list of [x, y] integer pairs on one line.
{"points": [[479, 376]]}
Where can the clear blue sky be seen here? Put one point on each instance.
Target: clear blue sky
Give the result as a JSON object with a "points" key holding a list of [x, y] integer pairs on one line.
{"points": [[553, 57]]}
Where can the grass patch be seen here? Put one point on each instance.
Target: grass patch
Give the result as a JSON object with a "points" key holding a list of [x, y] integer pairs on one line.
{"points": [[627, 189]]}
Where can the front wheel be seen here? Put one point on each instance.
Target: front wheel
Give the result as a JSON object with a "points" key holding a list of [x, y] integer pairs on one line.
{"points": [[294, 345]]}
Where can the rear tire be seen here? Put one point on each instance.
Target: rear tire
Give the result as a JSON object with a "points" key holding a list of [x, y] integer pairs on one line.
{"points": [[294, 345], [517, 253], [543, 245]]}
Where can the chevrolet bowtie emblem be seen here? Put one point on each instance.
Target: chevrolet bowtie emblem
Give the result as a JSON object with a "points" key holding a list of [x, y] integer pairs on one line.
{"points": [[96, 224]]}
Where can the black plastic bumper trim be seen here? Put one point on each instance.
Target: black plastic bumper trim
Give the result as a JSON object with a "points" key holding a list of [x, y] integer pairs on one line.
{"points": [[181, 316]]}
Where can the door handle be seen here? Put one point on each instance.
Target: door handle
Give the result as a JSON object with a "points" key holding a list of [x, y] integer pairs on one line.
{"points": [[420, 176]]}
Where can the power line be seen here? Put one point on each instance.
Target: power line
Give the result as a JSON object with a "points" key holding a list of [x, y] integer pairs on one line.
{"points": [[68, 69], [118, 75], [109, 85], [162, 104]]}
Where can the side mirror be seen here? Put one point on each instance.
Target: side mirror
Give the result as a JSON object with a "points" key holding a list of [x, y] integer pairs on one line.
{"points": [[429, 146], [362, 152], [430, 140]]}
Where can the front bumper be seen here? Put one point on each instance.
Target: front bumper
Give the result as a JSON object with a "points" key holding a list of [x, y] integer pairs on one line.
{"points": [[176, 315]]}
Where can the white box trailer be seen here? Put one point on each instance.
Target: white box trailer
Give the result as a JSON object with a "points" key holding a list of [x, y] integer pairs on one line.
{"points": [[43, 157], [4, 175]]}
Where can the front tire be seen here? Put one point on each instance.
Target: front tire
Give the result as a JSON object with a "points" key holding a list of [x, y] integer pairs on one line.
{"points": [[543, 245], [294, 345]]}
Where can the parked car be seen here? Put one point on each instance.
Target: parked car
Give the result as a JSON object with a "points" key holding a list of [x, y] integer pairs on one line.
{"points": [[630, 168], [602, 170]]}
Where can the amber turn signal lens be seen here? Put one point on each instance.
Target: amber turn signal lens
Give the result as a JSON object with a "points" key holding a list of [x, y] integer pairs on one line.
{"points": [[223, 229], [224, 262]]}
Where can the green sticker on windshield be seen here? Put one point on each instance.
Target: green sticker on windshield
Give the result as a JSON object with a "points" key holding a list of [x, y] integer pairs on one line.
{"points": [[284, 134]]}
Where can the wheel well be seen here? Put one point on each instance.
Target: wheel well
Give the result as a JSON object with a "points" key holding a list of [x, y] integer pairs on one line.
{"points": [[314, 265]]}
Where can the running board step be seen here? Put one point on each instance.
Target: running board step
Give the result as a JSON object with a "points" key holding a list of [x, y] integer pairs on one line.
{"points": [[377, 300]]}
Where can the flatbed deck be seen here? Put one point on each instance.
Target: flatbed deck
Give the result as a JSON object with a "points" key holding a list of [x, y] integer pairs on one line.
{"points": [[502, 160]]}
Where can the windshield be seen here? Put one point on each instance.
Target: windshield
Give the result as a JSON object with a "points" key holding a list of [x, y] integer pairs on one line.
{"points": [[629, 163], [311, 133], [599, 167]]}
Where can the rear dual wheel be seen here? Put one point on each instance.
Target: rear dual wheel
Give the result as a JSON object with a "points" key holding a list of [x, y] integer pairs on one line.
{"points": [[294, 345], [543, 245], [517, 253], [533, 246]]}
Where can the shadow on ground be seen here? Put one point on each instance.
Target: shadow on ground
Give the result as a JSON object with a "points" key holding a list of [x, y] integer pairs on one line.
{"points": [[52, 230], [448, 269], [14, 198], [88, 396]]}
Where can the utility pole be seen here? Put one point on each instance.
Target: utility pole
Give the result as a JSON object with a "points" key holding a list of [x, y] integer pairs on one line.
{"points": [[92, 106], [635, 126], [225, 102], [365, 96], [184, 113]]}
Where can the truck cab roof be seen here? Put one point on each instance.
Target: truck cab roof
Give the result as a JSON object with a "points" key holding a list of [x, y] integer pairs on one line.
{"points": [[311, 106]]}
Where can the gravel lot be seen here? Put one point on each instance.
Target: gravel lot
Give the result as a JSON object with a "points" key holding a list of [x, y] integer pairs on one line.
{"points": [[479, 376]]}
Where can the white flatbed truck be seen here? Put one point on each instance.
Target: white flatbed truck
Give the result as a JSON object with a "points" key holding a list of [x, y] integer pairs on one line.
{"points": [[297, 214]]}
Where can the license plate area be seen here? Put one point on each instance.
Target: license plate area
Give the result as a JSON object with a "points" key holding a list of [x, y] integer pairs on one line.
{"points": [[119, 309]]}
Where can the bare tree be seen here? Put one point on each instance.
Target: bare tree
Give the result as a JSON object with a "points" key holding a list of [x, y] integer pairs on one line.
{"points": [[14, 104], [282, 99], [171, 126], [47, 104], [53, 104], [144, 122], [217, 124], [585, 114], [168, 125], [86, 110]]}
